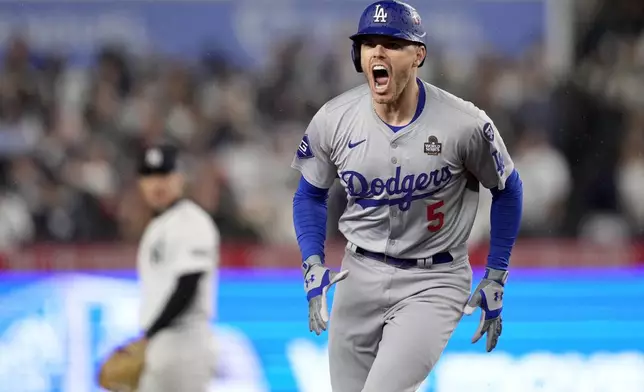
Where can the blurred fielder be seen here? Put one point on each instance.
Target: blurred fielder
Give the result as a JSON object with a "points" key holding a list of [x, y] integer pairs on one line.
{"points": [[411, 158], [177, 257]]}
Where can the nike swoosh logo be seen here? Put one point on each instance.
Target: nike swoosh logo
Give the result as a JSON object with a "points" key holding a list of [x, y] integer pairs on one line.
{"points": [[352, 145]]}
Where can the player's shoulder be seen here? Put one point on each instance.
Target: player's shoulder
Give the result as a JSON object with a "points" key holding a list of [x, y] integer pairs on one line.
{"points": [[342, 108], [463, 117], [340, 104], [450, 102], [189, 217], [346, 100]]}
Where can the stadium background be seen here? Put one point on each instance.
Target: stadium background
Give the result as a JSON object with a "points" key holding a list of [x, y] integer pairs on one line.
{"points": [[84, 83]]}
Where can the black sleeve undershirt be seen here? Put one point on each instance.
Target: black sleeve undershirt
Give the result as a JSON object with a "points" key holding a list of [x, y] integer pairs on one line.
{"points": [[179, 301]]}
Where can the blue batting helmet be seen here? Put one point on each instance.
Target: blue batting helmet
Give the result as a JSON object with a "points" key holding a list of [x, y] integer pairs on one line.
{"points": [[390, 18]]}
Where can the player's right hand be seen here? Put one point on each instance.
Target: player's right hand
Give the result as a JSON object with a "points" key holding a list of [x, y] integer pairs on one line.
{"points": [[317, 281]]}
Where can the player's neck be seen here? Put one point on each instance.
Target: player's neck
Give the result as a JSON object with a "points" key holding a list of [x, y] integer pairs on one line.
{"points": [[402, 110]]}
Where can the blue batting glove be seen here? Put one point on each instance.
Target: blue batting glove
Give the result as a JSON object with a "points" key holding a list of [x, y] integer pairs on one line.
{"points": [[317, 281], [488, 296]]}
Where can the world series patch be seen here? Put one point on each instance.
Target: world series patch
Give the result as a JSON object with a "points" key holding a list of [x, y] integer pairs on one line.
{"points": [[433, 147]]}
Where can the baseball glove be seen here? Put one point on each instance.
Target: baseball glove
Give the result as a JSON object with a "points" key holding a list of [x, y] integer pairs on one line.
{"points": [[122, 369]]}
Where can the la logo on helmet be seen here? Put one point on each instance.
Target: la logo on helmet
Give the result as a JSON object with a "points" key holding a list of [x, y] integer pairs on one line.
{"points": [[380, 16]]}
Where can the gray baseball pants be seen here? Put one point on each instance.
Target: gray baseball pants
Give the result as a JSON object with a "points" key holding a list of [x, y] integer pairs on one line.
{"points": [[388, 325], [179, 359]]}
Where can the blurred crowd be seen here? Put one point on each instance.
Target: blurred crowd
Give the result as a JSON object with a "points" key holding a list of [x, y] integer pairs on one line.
{"points": [[68, 135]]}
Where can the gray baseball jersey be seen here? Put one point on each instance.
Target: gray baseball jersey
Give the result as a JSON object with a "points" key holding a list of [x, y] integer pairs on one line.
{"points": [[407, 191]]}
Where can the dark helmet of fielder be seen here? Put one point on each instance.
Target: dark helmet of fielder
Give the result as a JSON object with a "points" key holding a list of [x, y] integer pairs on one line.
{"points": [[389, 18]]}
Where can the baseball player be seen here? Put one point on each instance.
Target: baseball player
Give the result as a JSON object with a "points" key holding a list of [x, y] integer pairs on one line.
{"points": [[177, 257], [411, 158]]}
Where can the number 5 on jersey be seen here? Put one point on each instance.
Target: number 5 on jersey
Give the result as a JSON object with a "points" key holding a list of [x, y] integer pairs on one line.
{"points": [[435, 218]]}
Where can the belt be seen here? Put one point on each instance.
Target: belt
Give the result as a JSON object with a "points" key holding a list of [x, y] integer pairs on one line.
{"points": [[438, 258]]}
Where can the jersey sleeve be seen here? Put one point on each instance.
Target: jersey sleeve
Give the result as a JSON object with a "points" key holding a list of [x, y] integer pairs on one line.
{"points": [[486, 156], [312, 158], [195, 248]]}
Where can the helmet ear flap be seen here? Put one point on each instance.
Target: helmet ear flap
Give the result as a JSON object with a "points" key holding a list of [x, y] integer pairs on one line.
{"points": [[355, 56]]}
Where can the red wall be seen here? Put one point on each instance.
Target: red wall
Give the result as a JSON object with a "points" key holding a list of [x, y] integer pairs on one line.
{"points": [[527, 253]]}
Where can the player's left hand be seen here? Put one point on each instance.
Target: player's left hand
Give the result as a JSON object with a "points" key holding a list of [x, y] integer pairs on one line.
{"points": [[488, 295], [318, 279]]}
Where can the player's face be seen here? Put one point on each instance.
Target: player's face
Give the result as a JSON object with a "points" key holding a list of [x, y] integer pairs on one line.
{"points": [[389, 64], [159, 191]]}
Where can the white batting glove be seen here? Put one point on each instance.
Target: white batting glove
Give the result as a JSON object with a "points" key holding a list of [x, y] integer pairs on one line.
{"points": [[488, 296], [317, 281]]}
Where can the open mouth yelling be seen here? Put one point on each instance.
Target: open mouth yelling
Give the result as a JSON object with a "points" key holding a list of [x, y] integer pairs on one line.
{"points": [[380, 77]]}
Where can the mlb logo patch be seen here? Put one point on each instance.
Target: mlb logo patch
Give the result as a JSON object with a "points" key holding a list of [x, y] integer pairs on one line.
{"points": [[433, 147]]}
